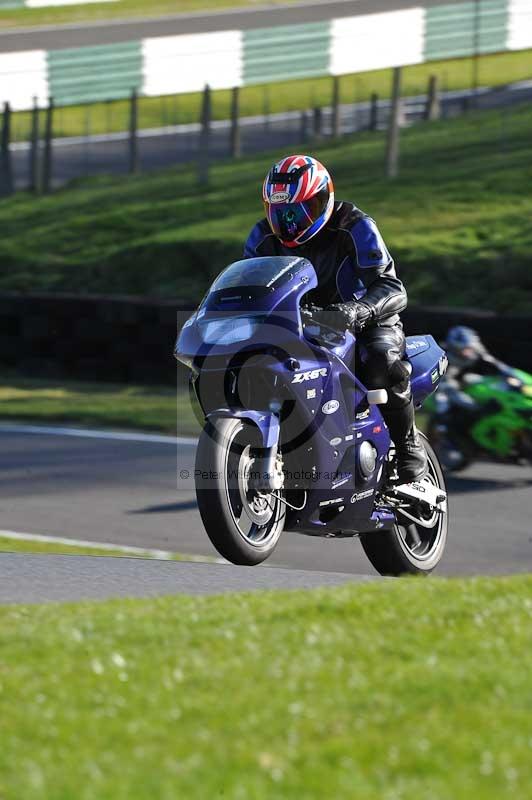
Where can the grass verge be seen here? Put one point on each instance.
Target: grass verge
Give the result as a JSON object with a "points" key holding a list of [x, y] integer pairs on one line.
{"points": [[28, 400], [94, 404], [400, 689], [9, 544], [122, 9], [457, 220], [156, 112]]}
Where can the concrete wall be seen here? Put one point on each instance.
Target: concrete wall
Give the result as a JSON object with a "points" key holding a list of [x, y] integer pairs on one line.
{"points": [[131, 339]]}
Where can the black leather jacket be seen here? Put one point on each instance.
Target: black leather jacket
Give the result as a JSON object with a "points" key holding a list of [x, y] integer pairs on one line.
{"points": [[350, 258]]}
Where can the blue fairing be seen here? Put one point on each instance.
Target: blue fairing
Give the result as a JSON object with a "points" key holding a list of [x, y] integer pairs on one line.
{"points": [[429, 364], [241, 299], [252, 358], [268, 424]]}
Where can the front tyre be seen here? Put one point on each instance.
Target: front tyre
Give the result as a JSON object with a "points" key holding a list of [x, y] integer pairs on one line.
{"points": [[415, 544], [243, 522]]}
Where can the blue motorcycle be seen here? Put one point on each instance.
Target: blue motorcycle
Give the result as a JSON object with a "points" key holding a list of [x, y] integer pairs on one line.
{"points": [[291, 438]]}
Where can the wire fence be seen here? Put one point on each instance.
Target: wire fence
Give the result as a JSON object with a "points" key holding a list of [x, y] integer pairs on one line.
{"points": [[45, 159]]}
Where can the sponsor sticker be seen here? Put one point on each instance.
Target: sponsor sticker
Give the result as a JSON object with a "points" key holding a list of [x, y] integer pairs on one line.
{"points": [[349, 437], [331, 502], [416, 344], [336, 441], [377, 429], [330, 406], [434, 375], [280, 197], [361, 495], [311, 394], [340, 482], [362, 414], [310, 375]]}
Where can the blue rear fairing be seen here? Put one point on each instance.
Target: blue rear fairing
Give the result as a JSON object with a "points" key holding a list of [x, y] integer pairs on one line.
{"points": [[429, 364]]}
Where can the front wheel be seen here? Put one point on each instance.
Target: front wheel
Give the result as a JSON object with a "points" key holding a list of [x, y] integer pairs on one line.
{"points": [[415, 544], [243, 521]]}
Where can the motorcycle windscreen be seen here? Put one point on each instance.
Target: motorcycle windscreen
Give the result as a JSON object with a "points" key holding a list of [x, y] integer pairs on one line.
{"points": [[270, 272]]}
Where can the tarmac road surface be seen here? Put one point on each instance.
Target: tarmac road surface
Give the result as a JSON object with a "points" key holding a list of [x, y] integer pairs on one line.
{"points": [[125, 492], [49, 578], [125, 30]]}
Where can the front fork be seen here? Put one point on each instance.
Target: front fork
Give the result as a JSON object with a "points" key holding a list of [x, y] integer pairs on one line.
{"points": [[269, 466]]}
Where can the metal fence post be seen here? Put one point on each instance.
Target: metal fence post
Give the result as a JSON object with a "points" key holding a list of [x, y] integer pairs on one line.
{"points": [[374, 112], [133, 142], [108, 115], [335, 122], [266, 107], [476, 48], [47, 159], [6, 171], [392, 149], [205, 135], [304, 127], [318, 123], [34, 184], [235, 123], [87, 143], [432, 111]]}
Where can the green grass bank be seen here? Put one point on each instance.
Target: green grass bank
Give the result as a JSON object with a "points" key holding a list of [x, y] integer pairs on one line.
{"points": [[397, 689], [457, 219], [156, 112], [155, 408], [106, 405]]}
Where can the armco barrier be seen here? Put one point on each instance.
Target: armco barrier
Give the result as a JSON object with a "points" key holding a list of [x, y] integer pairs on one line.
{"points": [[130, 339]]}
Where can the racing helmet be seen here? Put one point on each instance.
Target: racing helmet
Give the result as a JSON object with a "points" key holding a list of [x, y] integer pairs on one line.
{"points": [[298, 196], [463, 346]]}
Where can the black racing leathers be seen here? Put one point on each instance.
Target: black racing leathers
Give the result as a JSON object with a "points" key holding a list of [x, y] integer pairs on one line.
{"points": [[357, 280], [351, 260]]}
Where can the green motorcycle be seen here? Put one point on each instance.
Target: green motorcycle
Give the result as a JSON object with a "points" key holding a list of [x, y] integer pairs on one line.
{"points": [[495, 423]]}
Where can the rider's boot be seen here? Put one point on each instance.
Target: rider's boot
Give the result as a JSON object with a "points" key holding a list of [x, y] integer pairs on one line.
{"points": [[411, 456]]}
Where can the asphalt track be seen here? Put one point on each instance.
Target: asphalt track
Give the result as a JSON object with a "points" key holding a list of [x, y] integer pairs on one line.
{"points": [[47, 578], [133, 492], [125, 30]]}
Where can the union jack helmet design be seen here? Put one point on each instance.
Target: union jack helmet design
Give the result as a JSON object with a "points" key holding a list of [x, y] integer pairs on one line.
{"points": [[298, 197]]}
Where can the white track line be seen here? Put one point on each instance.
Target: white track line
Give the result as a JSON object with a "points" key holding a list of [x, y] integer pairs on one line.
{"points": [[161, 555], [98, 434]]}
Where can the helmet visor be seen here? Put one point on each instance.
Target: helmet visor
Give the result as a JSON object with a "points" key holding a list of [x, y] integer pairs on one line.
{"points": [[289, 220]]}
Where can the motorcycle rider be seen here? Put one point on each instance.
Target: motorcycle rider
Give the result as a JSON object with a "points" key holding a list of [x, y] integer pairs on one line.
{"points": [[351, 261], [468, 357]]}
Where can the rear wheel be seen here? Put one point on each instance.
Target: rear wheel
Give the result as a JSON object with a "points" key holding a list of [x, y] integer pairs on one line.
{"points": [[415, 544], [243, 521]]}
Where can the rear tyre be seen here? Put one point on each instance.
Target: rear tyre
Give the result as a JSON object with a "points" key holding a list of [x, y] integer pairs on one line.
{"points": [[411, 548], [243, 523]]}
